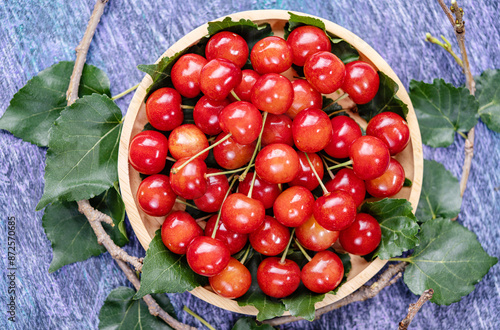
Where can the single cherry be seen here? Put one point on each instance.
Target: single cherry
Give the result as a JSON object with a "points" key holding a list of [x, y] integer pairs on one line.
{"points": [[189, 182], [206, 114], [233, 240], [312, 130], [361, 81], [217, 187], [390, 128], [218, 77], [163, 109], [148, 152], [363, 236], [155, 196], [230, 154], [389, 183], [277, 163], [243, 120], [347, 181], [207, 256], [305, 41], [335, 211], [304, 96], [345, 131], [271, 55], [262, 190], [370, 157], [186, 141], [278, 279], [313, 236], [233, 281], [323, 273], [277, 129], [244, 89], [305, 177], [227, 45], [271, 238], [178, 231], [242, 214], [294, 206], [272, 93], [324, 71], [186, 74]]}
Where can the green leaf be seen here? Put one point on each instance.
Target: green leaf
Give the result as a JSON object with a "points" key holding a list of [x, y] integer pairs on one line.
{"points": [[330, 106], [346, 261], [121, 312], [83, 151], [488, 96], [301, 303], [442, 109], [440, 197], [247, 29], [345, 51], [399, 226], [165, 271], [35, 107], [408, 183], [70, 234], [449, 259], [385, 100], [247, 323]]}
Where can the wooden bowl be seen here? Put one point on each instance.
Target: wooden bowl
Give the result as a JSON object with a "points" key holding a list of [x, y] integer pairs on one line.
{"points": [[145, 226]]}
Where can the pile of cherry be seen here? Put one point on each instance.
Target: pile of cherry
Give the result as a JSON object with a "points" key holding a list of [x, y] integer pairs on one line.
{"points": [[262, 119]]}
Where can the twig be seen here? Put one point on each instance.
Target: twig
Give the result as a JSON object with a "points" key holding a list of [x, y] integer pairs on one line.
{"points": [[414, 308], [446, 11], [387, 278]]}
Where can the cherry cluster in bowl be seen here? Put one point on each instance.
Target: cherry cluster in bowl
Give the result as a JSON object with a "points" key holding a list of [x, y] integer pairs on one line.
{"points": [[275, 141]]}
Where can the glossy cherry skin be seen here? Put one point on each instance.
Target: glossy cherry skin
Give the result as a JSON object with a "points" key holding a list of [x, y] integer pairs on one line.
{"points": [[361, 81], [278, 279], [233, 240], [218, 77], [206, 114], [243, 120], [186, 141], [363, 236], [186, 74], [178, 231], [277, 163], [227, 45], [389, 183], [230, 154], [217, 187], [277, 129], [347, 181], [305, 41], [242, 214], [345, 131], [313, 236], [189, 182], [304, 96], [155, 196], [207, 256], [262, 190], [244, 89], [390, 128], [335, 211], [271, 238], [294, 206], [312, 130], [233, 281], [370, 157], [148, 151], [323, 273], [324, 71], [271, 55], [305, 177], [163, 109], [272, 93]]}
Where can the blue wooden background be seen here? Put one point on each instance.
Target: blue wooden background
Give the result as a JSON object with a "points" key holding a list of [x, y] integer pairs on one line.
{"points": [[35, 34]]}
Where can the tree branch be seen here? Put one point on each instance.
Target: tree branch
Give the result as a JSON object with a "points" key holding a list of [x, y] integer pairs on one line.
{"points": [[446, 11], [414, 308]]}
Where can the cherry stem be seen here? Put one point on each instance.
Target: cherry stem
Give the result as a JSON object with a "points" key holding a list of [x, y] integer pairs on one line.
{"points": [[301, 248], [186, 203], [246, 254], [199, 318], [174, 170], [337, 112], [122, 94], [249, 195], [227, 172], [171, 159], [184, 106], [233, 93], [204, 218], [283, 257], [218, 215], [330, 173], [325, 191], [341, 97], [349, 162], [257, 146]]}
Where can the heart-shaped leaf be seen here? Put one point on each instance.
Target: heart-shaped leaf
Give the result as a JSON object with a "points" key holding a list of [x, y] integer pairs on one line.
{"points": [[488, 96], [247, 323]]}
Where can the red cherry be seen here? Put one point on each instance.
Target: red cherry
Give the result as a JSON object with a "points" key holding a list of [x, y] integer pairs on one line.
{"points": [[323, 273], [324, 71], [306, 177], [345, 131], [278, 279], [243, 120], [186, 141], [390, 128], [230, 154], [271, 55], [242, 214], [155, 196], [294, 206], [277, 129], [218, 77], [244, 89], [305, 41], [313, 236], [312, 130], [233, 281], [178, 231], [189, 182], [148, 152], [207, 256], [262, 190], [233, 240], [347, 181], [370, 157], [206, 115], [227, 45], [271, 238], [363, 236], [361, 82], [217, 187], [277, 163], [304, 96], [186, 74], [335, 211], [163, 109], [389, 183], [272, 93]]}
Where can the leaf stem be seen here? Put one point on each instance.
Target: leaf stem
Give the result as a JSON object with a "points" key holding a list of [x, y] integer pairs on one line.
{"points": [[257, 146], [122, 94], [283, 257], [301, 248], [401, 259], [186, 203], [446, 46], [199, 318], [218, 215], [325, 191], [349, 162], [462, 134]]}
